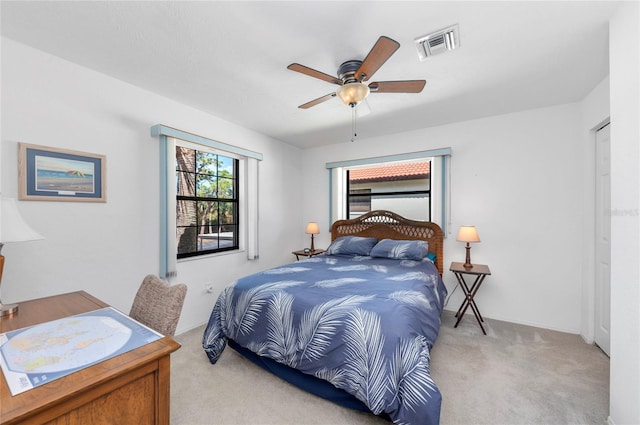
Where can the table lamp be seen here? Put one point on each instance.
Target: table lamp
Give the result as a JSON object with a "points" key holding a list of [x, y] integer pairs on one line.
{"points": [[312, 229], [468, 234], [14, 229]]}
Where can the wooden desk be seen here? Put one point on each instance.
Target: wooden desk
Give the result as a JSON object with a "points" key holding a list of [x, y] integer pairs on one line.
{"points": [[132, 388]]}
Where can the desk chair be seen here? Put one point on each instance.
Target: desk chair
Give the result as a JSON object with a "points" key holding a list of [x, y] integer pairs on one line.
{"points": [[158, 305]]}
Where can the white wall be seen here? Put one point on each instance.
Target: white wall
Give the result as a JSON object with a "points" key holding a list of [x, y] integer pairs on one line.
{"points": [[624, 63], [515, 178], [106, 249]]}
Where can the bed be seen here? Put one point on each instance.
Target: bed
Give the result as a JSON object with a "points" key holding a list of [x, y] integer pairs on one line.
{"points": [[354, 325]]}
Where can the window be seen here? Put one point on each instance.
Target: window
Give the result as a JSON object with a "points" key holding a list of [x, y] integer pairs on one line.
{"points": [[208, 198], [404, 188], [414, 185], [207, 218]]}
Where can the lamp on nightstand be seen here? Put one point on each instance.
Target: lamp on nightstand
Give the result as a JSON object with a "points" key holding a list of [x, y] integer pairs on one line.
{"points": [[468, 234], [312, 229], [14, 229]]}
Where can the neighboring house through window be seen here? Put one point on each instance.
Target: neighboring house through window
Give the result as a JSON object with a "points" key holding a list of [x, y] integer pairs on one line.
{"points": [[404, 188]]}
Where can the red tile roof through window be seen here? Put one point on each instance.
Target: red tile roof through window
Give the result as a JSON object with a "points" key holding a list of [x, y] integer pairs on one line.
{"points": [[409, 171]]}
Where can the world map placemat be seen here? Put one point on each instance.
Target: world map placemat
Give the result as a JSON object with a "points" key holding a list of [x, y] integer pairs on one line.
{"points": [[38, 354]]}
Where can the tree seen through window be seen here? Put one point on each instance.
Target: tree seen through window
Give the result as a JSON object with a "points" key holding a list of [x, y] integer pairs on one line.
{"points": [[206, 202]]}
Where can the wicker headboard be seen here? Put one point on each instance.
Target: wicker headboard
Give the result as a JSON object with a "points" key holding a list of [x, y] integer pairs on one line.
{"points": [[383, 224]]}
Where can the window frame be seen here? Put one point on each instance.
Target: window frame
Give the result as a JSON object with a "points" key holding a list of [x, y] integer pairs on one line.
{"points": [[440, 198], [235, 200], [248, 193]]}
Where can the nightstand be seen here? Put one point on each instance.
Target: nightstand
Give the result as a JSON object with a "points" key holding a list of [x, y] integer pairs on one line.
{"points": [[480, 271], [302, 253]]}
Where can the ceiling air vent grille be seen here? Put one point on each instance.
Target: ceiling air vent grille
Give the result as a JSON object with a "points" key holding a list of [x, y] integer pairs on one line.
{"points": [[435, 42], [438, 42]]}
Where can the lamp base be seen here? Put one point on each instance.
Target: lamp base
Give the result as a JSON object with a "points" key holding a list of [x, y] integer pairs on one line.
{"points": [[467, 260], [8, 309]]}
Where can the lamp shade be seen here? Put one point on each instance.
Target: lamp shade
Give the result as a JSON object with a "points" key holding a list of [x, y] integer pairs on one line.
{"points": [[353, 93], [14, 228], [312, 228], [468, 234]]}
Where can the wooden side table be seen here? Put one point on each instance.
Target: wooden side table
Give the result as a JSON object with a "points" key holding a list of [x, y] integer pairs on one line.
{"points": [[480, 271], [302, 253]]}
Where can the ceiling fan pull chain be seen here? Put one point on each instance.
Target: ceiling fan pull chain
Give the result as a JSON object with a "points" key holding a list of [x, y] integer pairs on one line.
{"points": [[353, 123]]}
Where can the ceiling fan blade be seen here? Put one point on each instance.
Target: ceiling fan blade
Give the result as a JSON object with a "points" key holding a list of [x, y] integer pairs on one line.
{"points": [[313, 73], [317, 101], [408, 86], [380, 52]]}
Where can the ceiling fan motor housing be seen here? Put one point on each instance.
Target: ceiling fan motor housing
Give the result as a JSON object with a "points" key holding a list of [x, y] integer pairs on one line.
{"points": [[347, 71]]}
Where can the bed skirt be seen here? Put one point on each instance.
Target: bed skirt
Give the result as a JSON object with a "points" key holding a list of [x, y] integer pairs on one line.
{"points": [[308, 383]]}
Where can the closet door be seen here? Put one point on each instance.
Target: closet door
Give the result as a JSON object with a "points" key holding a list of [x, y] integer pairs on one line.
{"points": [[603, 239]]}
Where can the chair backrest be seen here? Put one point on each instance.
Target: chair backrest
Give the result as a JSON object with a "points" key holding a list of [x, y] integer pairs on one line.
{"points": [[158, 305]]}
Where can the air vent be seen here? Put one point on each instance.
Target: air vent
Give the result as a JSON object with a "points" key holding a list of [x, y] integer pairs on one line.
{"points": [[438, 42]]}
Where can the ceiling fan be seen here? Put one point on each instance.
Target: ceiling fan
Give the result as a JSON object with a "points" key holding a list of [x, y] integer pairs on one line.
{"points": [[353, 73]]}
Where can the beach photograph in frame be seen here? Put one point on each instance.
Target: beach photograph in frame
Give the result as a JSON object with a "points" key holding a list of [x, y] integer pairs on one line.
{"points": [[54, 174]]}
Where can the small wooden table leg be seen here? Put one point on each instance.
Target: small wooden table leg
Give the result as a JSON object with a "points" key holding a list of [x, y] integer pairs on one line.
{"points": [[470, 293]]}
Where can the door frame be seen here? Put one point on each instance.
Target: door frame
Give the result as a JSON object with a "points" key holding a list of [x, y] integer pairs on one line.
{"points": [[602, 217]]}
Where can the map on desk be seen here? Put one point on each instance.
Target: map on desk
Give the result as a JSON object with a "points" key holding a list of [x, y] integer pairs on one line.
{"points": [[38, 354]]}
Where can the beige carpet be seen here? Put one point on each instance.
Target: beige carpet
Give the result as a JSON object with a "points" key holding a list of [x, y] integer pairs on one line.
{"points": [[514, 375]]}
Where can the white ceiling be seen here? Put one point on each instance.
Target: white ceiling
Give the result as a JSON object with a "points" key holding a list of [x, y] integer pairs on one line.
{"points": [[230, 58]]}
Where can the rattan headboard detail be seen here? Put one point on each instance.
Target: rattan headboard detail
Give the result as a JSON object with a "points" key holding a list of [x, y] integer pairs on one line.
{"points": [[383, 224]]}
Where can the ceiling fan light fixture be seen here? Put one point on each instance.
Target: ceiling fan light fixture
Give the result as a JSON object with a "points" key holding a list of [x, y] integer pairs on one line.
{"points": [[352, 94]]}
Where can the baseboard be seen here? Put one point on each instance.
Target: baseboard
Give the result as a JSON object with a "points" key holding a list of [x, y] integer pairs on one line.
{"points": [[589, 341], [190, 328], [525, 323], [610, 421]]}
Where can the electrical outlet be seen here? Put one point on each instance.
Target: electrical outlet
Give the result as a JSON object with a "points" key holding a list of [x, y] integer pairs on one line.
{"points": [[208, 288]]}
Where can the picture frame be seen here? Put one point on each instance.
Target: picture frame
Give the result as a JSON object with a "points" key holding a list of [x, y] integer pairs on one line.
{"points": [[54, 174]]}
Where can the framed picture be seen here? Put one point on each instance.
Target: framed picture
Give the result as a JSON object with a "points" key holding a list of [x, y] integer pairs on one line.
{"points": [[52, 174]]}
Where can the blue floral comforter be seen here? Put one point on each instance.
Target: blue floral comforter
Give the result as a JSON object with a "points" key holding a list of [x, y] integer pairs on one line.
{"points": [[364, 324]]}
